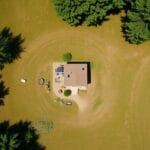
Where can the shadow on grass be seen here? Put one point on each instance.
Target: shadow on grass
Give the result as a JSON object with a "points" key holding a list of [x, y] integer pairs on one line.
{"points": [[3, 91], [26, 135]]}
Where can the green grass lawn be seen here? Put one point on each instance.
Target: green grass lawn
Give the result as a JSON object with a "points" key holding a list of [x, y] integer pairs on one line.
{"points": [[117, 116]]}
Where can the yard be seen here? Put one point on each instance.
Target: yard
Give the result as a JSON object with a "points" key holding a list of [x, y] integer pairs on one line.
{"points": [[115, 111]]}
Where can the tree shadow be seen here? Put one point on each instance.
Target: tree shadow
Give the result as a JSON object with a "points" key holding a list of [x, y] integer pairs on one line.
{"points": [[11, 45], [1, 66], [114, 11], [127, 6], [3, 91], [27, 135], [99, 22]]}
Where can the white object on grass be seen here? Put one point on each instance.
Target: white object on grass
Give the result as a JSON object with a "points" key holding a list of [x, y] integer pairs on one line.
{"points": [[68, 103], [23, 80]]}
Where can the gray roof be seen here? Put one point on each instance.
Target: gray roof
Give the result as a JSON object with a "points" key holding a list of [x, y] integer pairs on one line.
{"points": [[75, 74]]}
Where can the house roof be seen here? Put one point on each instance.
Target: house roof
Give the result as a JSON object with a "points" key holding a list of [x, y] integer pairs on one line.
{"points": [[75, 75]]}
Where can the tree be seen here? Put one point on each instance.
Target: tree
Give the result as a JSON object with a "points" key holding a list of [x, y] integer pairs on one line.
{"points": [[28, 136], [3, 141], [10, 46], [19, 136], [136, 25], [137, 22], [118, 4], [90, 12], [9, 142], [3, 91]]}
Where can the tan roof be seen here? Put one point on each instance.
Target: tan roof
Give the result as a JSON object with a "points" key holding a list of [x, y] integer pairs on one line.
{"points": [[75, 74]]}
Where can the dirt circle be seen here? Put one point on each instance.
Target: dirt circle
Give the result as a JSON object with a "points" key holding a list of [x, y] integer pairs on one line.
{"points": [[37, 61]]}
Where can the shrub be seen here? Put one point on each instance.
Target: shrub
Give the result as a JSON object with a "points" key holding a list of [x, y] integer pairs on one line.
{"points": [[67, 92], [67, 56]]}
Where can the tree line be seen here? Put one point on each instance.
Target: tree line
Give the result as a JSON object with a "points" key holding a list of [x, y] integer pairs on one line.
{"points": [[136, 24], [21, 135], [10, 49]]}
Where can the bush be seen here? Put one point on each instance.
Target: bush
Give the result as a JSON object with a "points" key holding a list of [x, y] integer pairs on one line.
{"points": [[67, 56], [67, 92]]}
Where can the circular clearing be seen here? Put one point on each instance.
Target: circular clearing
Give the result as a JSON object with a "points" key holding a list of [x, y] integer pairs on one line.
{"points": [[37, 62]]}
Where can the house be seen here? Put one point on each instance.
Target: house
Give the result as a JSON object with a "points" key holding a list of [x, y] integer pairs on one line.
{"points": [[76, 75], [72, 75]]}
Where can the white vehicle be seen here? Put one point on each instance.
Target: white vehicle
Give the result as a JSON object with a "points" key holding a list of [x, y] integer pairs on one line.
{"points": [[68, 103]]}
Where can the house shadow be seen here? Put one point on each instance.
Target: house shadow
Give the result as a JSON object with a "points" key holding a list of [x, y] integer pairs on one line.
{"points": [[88, 68], [26, 135], [3, 91]]}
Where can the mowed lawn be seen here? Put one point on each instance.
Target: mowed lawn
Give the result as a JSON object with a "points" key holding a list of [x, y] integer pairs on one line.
{"points": [[117, 114]]}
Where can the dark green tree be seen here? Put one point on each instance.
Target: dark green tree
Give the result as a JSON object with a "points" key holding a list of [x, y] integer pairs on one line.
{"points": [[20, 136], [90, 12], [10, 46], [137, 22], [9, 142], [28, 136], [136, 25], [118, 4], [3, 91]]}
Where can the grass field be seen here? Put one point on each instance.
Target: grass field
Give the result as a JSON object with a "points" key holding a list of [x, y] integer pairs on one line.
{"points": [[116, 115]]}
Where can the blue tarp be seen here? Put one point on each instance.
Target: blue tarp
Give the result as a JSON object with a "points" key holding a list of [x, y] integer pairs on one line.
{"points": [[59, 69]]}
